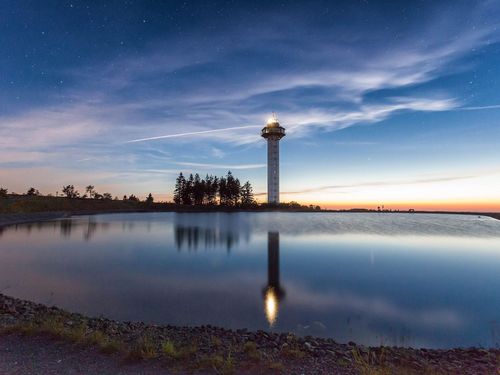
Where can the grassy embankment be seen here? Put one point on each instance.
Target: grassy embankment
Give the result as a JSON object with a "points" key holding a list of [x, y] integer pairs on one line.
{"points": [[14, 204], [23, 204]]}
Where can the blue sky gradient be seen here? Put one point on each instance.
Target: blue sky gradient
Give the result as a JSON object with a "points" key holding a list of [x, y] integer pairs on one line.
{"points": [[384, 103]]}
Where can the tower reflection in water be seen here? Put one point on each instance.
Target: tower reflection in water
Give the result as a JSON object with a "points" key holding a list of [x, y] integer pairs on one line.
{"points": [[273, 292]]}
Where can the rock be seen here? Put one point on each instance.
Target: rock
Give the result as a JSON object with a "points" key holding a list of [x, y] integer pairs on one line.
{"points": [[11, 309]]}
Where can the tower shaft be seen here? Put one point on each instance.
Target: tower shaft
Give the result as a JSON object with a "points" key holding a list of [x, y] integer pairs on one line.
{"points": [[273, 170], [273, 132]]}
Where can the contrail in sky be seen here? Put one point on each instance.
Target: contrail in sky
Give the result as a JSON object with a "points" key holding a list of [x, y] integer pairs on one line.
{"points": [[494, 106], [201, 132], [192, 133]]}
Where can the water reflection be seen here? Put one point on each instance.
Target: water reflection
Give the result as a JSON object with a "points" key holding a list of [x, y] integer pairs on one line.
{"points": [[66, 227], [273, 292], [210, 231], [434, 289], [194, 237]]}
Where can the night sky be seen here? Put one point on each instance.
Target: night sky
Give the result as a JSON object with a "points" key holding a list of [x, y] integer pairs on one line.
{"points": [[393, 103]]}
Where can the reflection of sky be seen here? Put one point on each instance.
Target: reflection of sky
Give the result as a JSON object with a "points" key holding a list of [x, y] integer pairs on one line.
{"points": [[433, 289]]}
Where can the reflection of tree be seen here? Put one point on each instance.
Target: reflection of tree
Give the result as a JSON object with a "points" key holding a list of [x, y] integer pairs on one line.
{"points": [[89, 232], [66, 226], [193, 237], [89, 227], [210, 230], [273, 292]]}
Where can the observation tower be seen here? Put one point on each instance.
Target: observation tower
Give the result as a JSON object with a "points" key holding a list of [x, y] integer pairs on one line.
{"points": [[273, 132]]}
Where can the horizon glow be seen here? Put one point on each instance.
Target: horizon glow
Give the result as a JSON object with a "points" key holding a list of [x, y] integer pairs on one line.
{"points": [[383, 104]]}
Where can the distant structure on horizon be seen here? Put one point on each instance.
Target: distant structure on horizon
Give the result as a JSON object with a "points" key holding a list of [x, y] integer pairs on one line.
{"points": [[273, 132]]}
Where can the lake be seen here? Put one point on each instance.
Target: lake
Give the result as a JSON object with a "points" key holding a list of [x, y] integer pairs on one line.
{"points": [[373, 278]]}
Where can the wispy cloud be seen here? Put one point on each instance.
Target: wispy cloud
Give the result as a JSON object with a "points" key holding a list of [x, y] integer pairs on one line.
{"points": [[218, 153], [378, 307], [377, 183]]}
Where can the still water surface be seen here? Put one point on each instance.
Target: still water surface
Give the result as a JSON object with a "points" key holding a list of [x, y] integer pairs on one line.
{"points": [[394, 279]]}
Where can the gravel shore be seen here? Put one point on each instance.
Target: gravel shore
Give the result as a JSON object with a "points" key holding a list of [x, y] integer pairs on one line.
{"points": [[208, 349]]}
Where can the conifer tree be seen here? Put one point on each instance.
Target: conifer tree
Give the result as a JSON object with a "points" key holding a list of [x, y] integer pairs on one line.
{"points": [[198, 190], [214, 188], [207, 185], [232, 189], [236, 192], [247, 198], [222, 191], [180, 183], [187, 193]]}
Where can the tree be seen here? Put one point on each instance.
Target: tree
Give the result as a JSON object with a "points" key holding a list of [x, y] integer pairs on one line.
{"points": [[211, 188], [70, 191], [180, 184], [149, 199], [223, 193], [107, 196], [3, 192], [214, 188], [232, 189], [133, 198], [198, 190], [236, 192], [187, 192], [32, 191], [90, 191], [246, 193]]}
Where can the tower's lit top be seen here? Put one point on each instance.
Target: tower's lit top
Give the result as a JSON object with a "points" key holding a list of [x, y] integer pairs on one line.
{"points": [[273, 128], [273, 122]]}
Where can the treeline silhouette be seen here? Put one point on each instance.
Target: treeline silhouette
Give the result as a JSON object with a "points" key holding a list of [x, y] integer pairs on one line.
{"points": [[70, 200], [70, 192], [212, 190], [191, 194]]}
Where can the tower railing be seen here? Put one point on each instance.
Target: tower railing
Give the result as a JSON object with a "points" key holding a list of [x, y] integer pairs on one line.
{"points": [[270, 131]]}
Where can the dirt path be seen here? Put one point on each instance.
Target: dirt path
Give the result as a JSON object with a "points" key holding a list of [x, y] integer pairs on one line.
{"points": [[41, 355]]}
